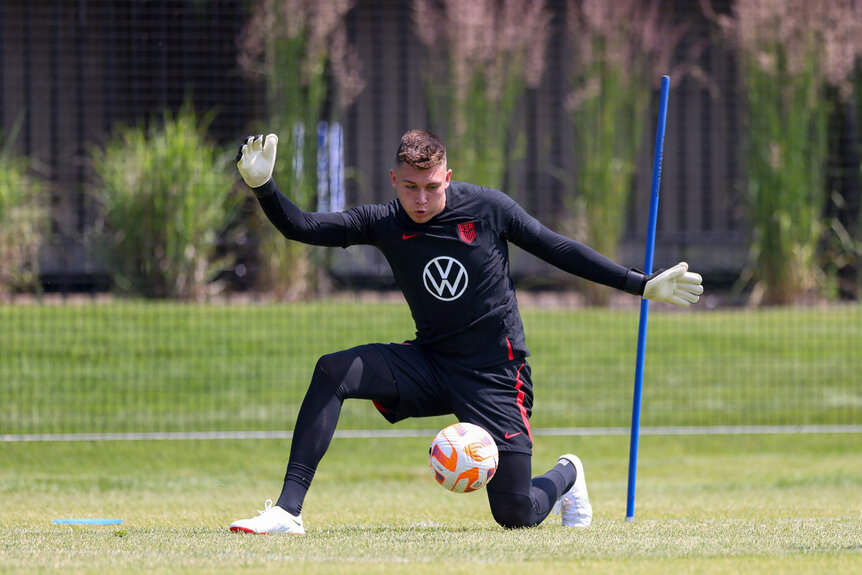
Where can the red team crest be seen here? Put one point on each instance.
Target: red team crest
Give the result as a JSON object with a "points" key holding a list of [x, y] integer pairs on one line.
{"points": [[467, 232]]}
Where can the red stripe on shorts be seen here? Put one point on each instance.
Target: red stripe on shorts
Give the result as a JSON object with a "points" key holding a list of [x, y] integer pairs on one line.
{"points": [[519, 401]]}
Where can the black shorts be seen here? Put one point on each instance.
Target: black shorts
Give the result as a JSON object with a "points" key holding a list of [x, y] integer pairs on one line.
{"points": [[498, 398]]}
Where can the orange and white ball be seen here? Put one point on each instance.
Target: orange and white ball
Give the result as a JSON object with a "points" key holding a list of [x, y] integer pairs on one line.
{"points": [[463, 457]]}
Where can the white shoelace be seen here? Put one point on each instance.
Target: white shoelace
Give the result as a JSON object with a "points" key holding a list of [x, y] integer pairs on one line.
{"points": [[267, 505]]}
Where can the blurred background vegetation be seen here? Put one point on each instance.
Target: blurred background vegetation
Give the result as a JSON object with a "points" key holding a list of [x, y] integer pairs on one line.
{"points": [[167, 195], [23, 220], [298, 50], [552, 101]]}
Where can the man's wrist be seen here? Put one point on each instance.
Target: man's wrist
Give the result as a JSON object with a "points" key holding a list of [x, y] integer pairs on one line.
{"points": [[267, 189], [635, 282]]}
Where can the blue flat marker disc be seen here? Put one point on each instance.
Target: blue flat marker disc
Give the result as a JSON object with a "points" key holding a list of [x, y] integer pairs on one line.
{"points": [[88, 521]]}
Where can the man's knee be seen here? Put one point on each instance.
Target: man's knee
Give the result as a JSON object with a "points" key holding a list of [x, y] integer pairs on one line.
{"points": [[512, 511], [360, 372], [345, 373], [331, 365], [332, 370]]}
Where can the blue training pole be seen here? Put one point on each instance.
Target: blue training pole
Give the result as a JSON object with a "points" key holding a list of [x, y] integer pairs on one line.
{"points": [[642, 325]]}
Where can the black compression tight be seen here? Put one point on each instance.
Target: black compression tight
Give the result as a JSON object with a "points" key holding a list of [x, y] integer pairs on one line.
{"points": [[516, 499], [359, 373]]}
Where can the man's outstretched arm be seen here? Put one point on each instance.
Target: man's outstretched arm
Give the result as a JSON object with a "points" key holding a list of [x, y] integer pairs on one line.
{"points": [[255, 162], [677, 285]]}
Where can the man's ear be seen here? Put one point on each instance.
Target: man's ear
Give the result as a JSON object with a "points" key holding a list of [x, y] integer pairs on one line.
{"points": [[393, 177]]}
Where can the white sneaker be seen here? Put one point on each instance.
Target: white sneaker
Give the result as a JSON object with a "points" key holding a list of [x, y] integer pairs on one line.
{"points": [[273, 519], [574, 505]]}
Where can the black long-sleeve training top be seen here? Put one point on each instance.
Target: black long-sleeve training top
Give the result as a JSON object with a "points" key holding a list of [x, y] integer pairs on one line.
{"points": [[454, 268]]}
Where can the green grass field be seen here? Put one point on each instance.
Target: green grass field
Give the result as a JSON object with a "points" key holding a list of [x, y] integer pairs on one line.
{"points": [[779, 503], [156, 366], [714, 504]]}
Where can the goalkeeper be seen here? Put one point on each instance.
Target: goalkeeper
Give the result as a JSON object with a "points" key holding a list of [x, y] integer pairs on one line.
{"points": [[447, 245]]}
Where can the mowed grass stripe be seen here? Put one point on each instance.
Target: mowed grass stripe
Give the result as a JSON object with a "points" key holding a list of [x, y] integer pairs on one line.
{"points": [[169, 367], [705, 504]]}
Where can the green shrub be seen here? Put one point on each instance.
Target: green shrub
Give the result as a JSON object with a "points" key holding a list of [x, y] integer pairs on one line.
{"points": [[167, 193], [790, 52], [23, 223]]}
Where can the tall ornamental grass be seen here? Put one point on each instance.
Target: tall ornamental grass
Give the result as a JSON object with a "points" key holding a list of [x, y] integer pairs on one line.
{"points": [[298, 50], [24, 219], [853, 202], [481, 57], [789, 51], [621, 50], [167, 193], [842, 252]]}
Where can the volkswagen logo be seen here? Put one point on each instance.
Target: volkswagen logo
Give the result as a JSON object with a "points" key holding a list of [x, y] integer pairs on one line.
{"points": [[445, 278]]}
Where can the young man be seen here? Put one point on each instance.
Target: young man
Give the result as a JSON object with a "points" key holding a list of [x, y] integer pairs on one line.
{"points": [[447, 245]]}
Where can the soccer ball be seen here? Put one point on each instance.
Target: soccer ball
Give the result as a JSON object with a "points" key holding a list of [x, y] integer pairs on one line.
{"points": [[463, 457]]}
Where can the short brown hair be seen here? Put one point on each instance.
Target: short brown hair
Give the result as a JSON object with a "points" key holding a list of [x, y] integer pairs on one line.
{"points": [[421, 149]]}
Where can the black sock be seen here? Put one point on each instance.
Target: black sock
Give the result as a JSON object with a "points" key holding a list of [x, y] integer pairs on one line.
{"points": [[297, 480]]}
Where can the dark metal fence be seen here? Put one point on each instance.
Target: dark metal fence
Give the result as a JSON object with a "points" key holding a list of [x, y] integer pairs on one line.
{"points": [[72, 70]]}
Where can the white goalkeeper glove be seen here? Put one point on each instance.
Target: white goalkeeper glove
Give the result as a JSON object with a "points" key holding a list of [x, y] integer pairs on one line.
{"points": [[256, 159], [676, 285]]}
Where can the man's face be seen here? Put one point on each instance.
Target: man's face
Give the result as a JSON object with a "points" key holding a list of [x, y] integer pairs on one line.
{"points": [[422, 193]]}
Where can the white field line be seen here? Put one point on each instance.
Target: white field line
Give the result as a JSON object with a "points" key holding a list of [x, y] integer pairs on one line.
{"points": [[387, 433]]}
